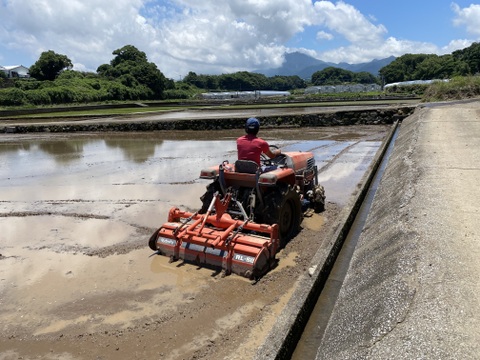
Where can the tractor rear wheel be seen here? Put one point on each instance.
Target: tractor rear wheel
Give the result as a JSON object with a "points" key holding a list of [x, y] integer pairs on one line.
{"points": [[152, 242], [207, 197], [283, 207]]}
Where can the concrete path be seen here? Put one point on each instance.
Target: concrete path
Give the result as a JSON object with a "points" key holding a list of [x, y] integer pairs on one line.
{"points": [[413, 286]]}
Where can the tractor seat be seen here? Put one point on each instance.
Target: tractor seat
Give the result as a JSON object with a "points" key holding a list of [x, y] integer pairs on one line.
{"points": [[246, 166]]}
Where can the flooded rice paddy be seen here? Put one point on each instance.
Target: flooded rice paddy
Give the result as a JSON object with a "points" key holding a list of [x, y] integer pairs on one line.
{"points": [[76, 212]]}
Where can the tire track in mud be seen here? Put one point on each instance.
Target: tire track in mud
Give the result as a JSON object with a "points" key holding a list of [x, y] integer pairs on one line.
{"points": [[54, 213], [125, 247], [333, 160]]}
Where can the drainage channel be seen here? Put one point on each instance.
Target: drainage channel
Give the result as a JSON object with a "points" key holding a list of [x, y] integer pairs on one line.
{"points": [[313, 332]]}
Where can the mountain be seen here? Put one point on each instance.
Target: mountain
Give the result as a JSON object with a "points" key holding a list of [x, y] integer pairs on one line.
{"points": [[295, 64], [372, 67], [304, 66]]}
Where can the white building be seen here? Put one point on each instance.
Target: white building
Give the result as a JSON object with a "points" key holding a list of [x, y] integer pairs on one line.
{"points": [[14, 71], [354, 88], [244, 94], [414, 82]]}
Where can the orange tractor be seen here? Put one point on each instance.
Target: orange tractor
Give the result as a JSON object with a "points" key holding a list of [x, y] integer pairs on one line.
{"points": [[247, 215]]}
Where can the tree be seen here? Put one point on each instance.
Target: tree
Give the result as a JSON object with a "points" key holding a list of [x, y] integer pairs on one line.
{"points": [[128, 53], [242, 81], [403, 68], [438, 67], [49, 65], [364, 77], [470, 57], [193, 79], [429, 66], [130, 66], [283, 83], [332, 76]]}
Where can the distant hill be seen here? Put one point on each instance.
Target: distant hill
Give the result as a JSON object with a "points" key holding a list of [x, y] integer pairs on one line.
{"points": [[304, 66], [372, 67]]}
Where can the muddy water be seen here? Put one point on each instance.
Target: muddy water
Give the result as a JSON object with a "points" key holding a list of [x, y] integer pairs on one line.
{"points": [[76, 212]]}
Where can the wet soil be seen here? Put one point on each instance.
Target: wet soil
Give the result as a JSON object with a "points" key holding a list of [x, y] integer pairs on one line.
{"points": [[77, 279]]}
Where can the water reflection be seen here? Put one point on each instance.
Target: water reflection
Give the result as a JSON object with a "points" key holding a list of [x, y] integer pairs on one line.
{"points": [[14, 147], [88, 167], [63, 151], [137, 150]]}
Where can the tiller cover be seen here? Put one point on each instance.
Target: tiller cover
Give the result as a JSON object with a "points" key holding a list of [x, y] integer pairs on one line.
{"points": [[217, 240]]}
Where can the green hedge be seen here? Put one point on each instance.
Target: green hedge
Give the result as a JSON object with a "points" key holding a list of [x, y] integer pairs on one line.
{"points": [[12, 97], [66, 90], [38, 97]]}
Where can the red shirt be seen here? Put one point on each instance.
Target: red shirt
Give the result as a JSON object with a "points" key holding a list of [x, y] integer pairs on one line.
{"points": [[250, 147]]}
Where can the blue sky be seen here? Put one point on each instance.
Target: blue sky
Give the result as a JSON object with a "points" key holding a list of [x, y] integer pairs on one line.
{"points": [[214, 37]]}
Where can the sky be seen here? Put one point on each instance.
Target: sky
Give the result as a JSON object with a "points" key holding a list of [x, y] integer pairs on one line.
{"points": [[225, 36]]}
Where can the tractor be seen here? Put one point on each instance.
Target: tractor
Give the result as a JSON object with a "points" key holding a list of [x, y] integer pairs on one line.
{"points": [[248, 213]]}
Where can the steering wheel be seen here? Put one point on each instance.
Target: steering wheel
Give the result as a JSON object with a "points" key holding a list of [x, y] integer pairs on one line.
{"points": [[264, 159]]}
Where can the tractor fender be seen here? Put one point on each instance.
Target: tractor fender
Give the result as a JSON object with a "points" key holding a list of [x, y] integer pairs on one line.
{"points": [[280, 175]]}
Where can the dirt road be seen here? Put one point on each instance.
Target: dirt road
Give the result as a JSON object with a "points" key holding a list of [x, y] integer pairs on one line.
{"points": [[76, 277]]}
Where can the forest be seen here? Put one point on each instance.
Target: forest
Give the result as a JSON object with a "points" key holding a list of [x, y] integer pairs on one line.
{"points": [[131, 77]]}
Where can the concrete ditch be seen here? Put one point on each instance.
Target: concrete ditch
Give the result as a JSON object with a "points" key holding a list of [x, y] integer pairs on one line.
{"points": [[412, 286]]}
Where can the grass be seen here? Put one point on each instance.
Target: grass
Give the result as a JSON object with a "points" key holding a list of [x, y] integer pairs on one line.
{"points": [[102, 112], [97, 112], [456, 89]]}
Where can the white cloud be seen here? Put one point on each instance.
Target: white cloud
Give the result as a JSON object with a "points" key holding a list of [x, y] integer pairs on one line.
{"points": [[468, 17], [358, 53], [208, 36], [455, 45], [224, 36], [322, 35], [367, 40], [348, 22], [87, 31]]}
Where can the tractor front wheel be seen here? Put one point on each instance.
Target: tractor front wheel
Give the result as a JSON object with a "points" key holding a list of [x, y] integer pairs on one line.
{"points": [[319, 198]]}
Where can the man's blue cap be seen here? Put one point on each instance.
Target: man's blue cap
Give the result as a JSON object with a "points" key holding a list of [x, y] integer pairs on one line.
{"points": [[252, 124]]}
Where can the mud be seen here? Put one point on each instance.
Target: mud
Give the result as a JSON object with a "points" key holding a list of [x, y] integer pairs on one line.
{"points": [[77, 279]]}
